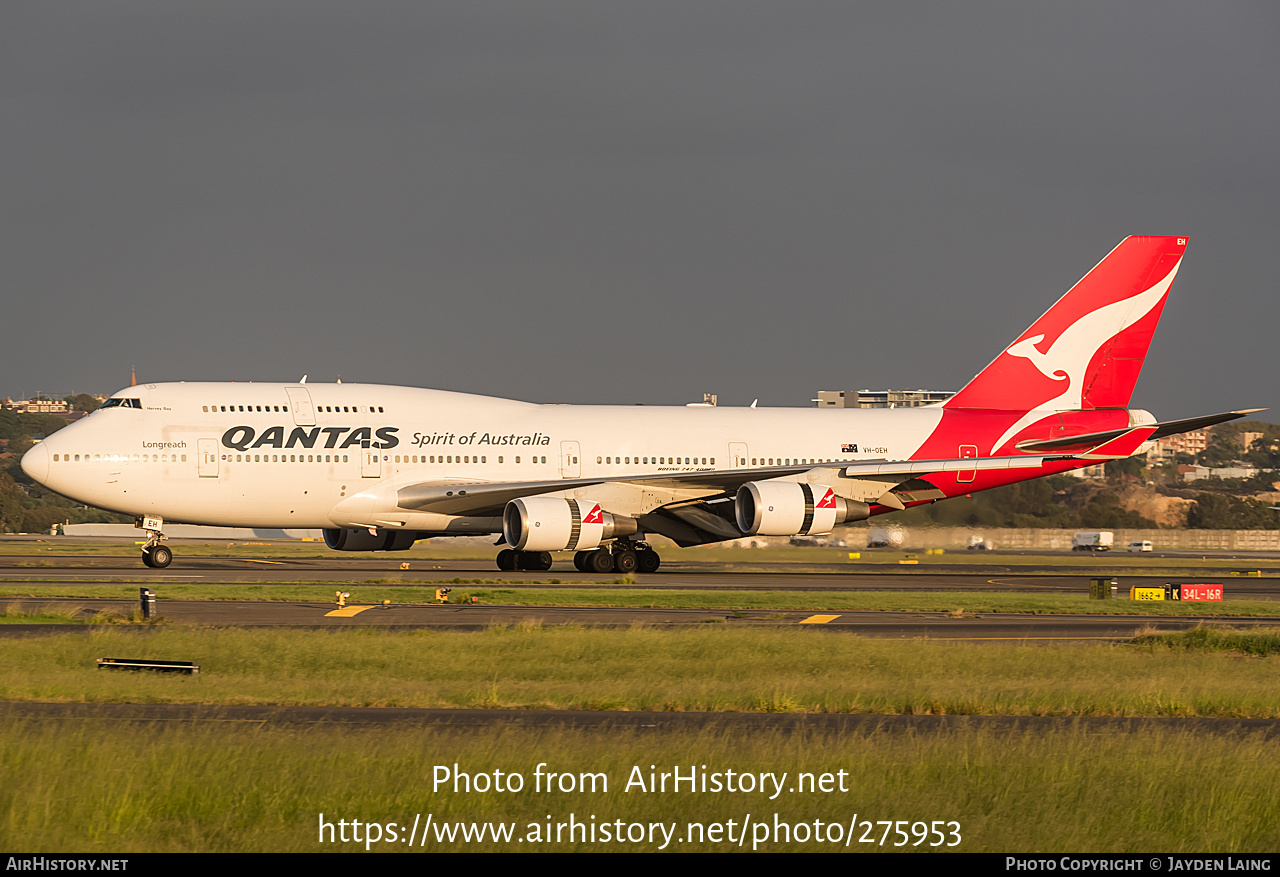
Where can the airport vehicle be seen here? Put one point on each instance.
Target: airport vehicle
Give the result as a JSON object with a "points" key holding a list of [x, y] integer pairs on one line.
{"points": [[1142, 545], [885, 537], [1092, 540], [978, 542], [378, 467]]}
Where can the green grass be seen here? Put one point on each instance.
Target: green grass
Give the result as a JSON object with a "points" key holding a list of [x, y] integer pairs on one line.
{"points": [[1258, 643], [57, 613], [634, 597], [703, 668], [62, 613], [100, 787]]}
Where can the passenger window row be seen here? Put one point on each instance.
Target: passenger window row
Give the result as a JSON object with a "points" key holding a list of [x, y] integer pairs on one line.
{"points": [[328, 409], [120, 458], [288, 458], [705, 461], [214, 408], [659, 461], [787, 461], [444, 459]]}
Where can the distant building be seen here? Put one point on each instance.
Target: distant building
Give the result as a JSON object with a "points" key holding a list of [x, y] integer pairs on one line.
{"points": [[38, 406], [836, 399], [1193, 443], [880, 398], [1195, 473], [1248, 438], [1098, 470]]}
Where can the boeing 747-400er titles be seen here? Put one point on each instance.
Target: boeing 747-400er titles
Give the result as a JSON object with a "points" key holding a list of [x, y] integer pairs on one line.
{"points": [[378, 467]]}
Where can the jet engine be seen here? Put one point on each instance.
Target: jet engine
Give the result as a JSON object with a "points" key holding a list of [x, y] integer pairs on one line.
{"points": [[541, 523], [347, 539], [785, 508]]}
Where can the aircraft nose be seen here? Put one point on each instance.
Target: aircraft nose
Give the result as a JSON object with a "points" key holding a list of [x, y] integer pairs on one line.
{"points": [[35, 463]]}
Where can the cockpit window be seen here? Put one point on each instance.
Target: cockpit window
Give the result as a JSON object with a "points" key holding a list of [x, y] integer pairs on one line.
{"points": [[122, 403]]}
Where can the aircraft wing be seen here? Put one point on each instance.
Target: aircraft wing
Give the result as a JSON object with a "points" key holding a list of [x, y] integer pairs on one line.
{"points": [[489, 497], [887, 482]]}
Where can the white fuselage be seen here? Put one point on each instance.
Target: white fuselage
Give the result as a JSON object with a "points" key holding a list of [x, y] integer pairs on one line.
{"points": [[332, 455]]}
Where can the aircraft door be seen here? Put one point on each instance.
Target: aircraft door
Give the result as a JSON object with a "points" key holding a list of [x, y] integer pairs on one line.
{"points": [[967, 452], [370, 463], [570, 467], [737, 455], [208, 451], [304, 413]]}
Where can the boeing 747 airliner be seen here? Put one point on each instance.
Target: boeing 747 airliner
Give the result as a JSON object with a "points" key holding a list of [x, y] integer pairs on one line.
{"points": [[378, 467]]}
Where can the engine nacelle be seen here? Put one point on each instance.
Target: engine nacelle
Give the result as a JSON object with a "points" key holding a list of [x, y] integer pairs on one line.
{"points": [[347, 539], [785, 508], [540, 523]]}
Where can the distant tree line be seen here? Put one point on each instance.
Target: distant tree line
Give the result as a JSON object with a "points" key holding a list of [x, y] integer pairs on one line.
{"points": [[1215, 511], [1056, 502]]}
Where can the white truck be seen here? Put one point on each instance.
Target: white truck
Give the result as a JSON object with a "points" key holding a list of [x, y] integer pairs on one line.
{"points": [[1092, 540]]}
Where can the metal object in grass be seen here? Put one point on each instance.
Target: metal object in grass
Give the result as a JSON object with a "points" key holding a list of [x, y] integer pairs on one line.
{"points": [[148, 599], [189, 667]]}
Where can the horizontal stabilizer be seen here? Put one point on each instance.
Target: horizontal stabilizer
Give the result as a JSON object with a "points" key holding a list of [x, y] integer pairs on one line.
{"points": [[1121, 446], [1167, 428]]}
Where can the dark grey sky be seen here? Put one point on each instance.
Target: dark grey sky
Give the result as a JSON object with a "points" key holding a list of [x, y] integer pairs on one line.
{"points": [[635, 202]]}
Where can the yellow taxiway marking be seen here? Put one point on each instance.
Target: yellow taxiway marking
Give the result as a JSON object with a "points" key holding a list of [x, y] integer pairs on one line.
{"points": [[348, 612], [819, 619], [276, 562]]}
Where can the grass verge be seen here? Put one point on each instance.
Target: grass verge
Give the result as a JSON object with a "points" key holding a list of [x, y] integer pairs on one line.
{"points": [[1258, 643], [62, 613], [64, 785], [707, 668]]}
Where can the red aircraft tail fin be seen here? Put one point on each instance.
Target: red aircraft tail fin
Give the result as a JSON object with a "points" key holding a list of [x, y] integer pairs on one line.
{"points": [[1087, 350]]}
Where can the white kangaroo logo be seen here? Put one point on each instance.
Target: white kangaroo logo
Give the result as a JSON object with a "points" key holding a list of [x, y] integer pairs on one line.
{"points": [[1069, 356]]}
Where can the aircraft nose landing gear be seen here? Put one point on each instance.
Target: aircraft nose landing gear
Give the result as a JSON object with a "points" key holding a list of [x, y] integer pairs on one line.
{"points": [[154, 554]]}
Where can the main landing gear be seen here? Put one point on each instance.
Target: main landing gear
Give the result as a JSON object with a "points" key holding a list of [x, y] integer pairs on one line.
{"points": [[509, 559], [624, 557], [154, 554]]}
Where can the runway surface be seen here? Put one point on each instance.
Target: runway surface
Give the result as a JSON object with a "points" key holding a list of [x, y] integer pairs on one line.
{"points": [[755, 576]]}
